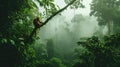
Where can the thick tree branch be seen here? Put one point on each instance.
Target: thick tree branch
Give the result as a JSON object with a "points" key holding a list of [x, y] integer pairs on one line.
{"points": [[34, 30]]}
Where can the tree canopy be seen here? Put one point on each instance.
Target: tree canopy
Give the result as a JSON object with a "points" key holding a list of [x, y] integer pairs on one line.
{"points": [[106, 11]]}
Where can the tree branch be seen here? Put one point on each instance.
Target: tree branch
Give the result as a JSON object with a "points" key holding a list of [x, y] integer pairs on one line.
{"points": [[34, 30], [57, 12]]}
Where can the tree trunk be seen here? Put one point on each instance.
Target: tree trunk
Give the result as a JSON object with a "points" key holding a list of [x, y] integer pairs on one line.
{"points": [[110, 27]]}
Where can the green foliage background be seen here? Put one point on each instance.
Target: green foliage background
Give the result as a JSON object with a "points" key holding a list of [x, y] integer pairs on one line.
{"points": [[16, 26]]}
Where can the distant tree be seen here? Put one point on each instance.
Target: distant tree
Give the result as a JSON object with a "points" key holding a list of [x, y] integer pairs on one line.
{"points": [[106, 11], [77, 18], [50, 48]]}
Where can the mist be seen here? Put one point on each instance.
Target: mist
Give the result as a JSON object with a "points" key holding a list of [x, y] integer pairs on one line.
{"points": [[65, 33], [68, 27]]}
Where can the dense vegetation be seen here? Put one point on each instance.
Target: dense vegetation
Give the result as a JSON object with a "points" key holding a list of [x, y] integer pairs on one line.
{"points": [[16, 26]]}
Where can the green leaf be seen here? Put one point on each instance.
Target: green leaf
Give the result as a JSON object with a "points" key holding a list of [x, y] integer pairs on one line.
{"points": [[4, 40]]}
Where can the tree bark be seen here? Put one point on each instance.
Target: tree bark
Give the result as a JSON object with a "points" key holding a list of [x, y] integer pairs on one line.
{"points": [[46, 21]]}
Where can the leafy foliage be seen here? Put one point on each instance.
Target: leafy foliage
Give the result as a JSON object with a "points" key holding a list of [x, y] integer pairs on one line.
{"points": [[106, 11], [16, 26], [76, 4], [49, 7], [103, 53]]}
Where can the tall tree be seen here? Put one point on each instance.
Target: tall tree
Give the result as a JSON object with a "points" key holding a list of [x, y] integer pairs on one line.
{"points": [[106, 12]]}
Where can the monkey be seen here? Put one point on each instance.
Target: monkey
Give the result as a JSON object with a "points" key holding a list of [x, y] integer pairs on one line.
{"points": [[37, 23]]}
